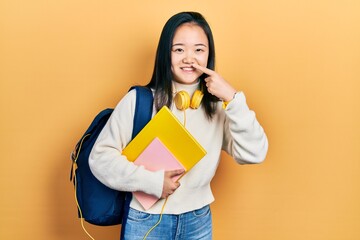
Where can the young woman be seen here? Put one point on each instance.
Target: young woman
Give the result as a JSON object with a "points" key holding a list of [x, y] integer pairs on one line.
{"points": [[185, 61]]}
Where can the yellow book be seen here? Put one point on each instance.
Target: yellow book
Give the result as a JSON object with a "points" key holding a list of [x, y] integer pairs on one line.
{"points": [[165, 126]]}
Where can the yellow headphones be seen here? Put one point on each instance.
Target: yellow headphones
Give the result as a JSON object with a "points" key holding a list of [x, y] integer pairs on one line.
{"points": [[183, 102]]}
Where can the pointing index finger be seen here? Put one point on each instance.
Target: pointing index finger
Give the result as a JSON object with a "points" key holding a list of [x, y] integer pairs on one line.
{"points": [[203, 69]]}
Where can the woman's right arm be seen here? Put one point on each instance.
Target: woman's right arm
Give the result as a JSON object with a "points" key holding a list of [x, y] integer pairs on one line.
{"points": [[112, 168]]}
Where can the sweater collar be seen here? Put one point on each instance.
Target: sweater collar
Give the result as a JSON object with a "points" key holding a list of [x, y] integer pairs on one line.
{"points": [[190, 88]]}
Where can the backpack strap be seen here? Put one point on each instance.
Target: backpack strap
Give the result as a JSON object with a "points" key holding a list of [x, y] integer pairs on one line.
{"points": [[143, 114], [143, 108]]}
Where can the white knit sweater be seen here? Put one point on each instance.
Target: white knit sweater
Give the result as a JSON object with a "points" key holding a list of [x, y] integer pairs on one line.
{"points": [[234, 130]]}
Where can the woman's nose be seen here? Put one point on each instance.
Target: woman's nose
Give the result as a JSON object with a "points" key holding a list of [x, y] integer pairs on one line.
{"points": [[189, 58]]}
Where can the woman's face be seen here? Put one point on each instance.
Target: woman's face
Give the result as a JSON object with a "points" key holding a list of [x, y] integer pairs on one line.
{"points": [[190, 45]]}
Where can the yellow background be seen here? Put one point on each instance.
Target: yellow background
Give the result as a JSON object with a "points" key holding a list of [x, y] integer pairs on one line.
{"points": [[298, 63]]}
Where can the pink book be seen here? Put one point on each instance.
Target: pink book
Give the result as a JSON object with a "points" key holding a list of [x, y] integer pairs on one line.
{"points": [[155, 157]]}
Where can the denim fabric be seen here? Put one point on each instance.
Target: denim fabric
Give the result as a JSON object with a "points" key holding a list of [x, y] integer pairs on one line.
{"points": [[194, 225]]}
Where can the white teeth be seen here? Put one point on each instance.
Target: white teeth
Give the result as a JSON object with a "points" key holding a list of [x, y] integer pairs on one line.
{"points": [[188, 68]]}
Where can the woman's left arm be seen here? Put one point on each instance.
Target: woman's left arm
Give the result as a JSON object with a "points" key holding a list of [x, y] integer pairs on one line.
{"points": [[244, 138]]}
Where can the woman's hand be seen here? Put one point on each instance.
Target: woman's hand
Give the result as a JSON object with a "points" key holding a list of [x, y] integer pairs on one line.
{"points": [[170, 186], [216, 85]]}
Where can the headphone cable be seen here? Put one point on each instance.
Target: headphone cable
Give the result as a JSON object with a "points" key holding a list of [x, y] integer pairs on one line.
{"points": [[158, 222]]}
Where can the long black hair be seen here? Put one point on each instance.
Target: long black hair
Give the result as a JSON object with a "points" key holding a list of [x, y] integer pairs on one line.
{"points": [[161, 79]]}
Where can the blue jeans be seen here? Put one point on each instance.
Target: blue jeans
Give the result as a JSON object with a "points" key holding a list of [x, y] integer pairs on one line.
{"points": [[194, 225]]}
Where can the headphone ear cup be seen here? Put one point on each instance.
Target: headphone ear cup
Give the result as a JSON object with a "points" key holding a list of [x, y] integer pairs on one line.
{"points": [[196, 99], [182, 100]]}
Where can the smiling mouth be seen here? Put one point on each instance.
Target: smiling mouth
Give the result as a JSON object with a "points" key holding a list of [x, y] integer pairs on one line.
{"points": [[188, 69]]}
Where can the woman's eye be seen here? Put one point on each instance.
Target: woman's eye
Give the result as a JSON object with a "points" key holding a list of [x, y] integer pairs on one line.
{"points": [[199, 50], [178, 50]]}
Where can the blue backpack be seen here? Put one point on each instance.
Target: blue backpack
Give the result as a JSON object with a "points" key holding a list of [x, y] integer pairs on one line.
{"points": [[98, 204]]}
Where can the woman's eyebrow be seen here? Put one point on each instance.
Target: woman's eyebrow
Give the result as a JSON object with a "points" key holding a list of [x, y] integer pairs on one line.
{"points": [[178, 44], [201, 44], [197, 45]]}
